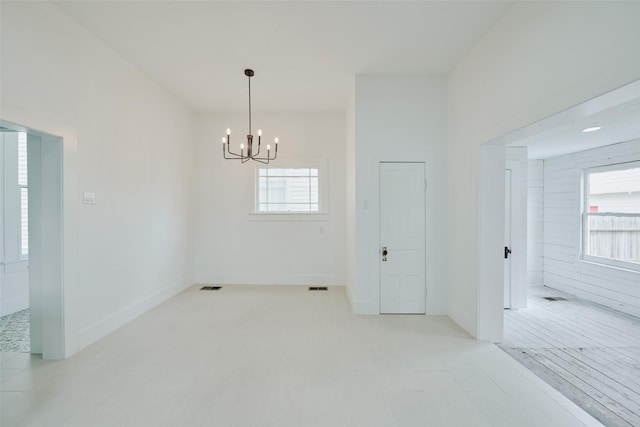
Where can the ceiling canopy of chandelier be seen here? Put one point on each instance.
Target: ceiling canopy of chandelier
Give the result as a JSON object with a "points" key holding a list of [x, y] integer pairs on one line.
{"points": [[250, 153]]}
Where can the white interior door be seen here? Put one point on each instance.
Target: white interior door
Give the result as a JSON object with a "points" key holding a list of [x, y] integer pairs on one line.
{"points": [[507, 238], [402, 238]]}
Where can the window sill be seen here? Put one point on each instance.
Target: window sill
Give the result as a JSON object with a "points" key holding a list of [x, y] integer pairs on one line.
{"points": [[594, 263], [283, 216]]}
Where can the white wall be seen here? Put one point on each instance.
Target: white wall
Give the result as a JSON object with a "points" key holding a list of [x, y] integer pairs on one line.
{"points": [[135, 149], [14, 272], [398, 118], [535, 224], [539, 59], [563, 269], [235, 247]]}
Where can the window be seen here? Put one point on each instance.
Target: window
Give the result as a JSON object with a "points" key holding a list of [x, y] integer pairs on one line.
{"points": [[288, 190], [24, 194], [611, 215]]}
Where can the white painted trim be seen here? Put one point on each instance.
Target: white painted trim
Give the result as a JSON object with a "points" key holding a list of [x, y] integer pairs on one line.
{"points": [[613, 269], [631, 267], [105, 326], [70, 307], [517, 162], [487, 297], [350, 298], [490, 296], [260, 279], [463, 318], [281, 216]]}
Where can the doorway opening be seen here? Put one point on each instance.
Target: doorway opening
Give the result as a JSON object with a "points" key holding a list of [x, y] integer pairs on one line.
{"points": [[40, 236], [579, 330], [14, 251]]}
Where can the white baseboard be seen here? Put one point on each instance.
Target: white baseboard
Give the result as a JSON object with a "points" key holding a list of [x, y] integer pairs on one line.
{"points": [[350, 298], [255, 279], [105, 326], [365, 307], [463, 320]]}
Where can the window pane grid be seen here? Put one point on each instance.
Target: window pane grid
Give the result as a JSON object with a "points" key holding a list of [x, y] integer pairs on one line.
{"points": [[24, 194], [22, 158], [287, 190], [24, 221], [612, 213]]}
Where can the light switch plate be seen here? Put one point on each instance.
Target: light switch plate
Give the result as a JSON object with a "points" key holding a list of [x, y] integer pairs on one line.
{"points": [[89, 198]]}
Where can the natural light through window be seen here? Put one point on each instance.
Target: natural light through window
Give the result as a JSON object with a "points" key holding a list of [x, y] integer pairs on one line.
{"points": [[24, 194], [288, 190], [611, 229]]}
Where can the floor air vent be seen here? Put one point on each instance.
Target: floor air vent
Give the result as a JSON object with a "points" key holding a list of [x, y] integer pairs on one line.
{"points": [[211, 288], [318, 288], [554, 298]]}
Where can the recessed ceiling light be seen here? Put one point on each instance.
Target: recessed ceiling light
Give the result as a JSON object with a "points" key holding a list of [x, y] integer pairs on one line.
{"points": [[591, 129]]}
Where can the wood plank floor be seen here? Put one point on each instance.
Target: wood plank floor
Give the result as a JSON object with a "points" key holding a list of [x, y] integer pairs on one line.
{"points": [[589, 353]]}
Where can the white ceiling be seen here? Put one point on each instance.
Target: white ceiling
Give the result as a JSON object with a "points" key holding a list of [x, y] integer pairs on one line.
{"points": [[619, 123], [305, 53]]}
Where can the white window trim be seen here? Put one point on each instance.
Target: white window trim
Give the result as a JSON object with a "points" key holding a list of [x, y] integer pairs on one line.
{"points": [[608, 262], [323, 193]]}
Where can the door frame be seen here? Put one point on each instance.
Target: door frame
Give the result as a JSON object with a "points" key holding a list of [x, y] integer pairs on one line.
{"points": [[508, 241], [431, 273], [517, 162], [56, 231]]}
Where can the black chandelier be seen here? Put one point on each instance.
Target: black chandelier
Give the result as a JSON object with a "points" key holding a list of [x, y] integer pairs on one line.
{"points": [[250, 154]]}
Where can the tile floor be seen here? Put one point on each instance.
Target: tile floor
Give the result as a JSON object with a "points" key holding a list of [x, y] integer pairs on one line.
{"points": [[14, 332], [280, 356]]}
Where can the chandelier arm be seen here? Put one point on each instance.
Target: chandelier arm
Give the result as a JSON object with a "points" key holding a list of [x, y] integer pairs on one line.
{"points": [[265, 158], [235, 155], [261, 160]]}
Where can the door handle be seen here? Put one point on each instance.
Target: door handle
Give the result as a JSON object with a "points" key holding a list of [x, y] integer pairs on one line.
{"points": [[384, 253], [507, 251]]}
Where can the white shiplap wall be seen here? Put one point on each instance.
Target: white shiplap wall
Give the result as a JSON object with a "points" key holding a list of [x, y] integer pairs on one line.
{"points": [[562, 267], [535, 224]]}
